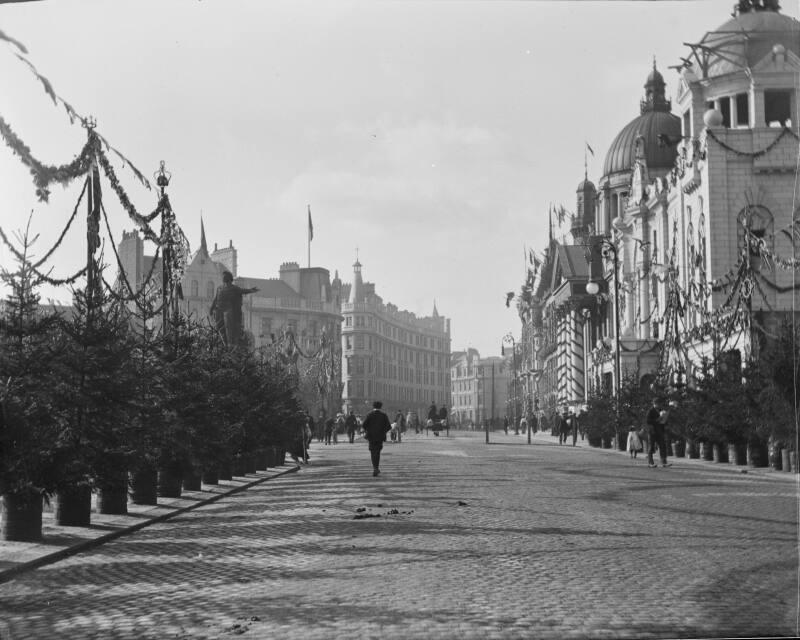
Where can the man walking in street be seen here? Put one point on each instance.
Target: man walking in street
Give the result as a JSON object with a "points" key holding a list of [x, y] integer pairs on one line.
{"points": [[563, 427], [572, 421], [350, 425], [656, 425], [376, 426]]}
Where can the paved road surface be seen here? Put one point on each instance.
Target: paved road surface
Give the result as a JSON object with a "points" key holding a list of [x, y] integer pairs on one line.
{"points": [[473, 541]]}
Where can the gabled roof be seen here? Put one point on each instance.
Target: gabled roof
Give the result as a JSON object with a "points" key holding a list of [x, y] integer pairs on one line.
{"points": [[268, 287], [572, 259]]}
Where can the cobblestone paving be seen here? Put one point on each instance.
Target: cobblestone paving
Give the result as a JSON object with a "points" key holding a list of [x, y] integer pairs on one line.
{"points": [[473, 541]]}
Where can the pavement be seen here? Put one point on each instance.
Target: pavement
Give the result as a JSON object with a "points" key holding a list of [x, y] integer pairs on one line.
{"points": [[60, 542], [455, 539]]}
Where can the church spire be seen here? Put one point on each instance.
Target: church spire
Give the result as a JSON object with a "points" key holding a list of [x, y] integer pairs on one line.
{"points": [[203, 244]]}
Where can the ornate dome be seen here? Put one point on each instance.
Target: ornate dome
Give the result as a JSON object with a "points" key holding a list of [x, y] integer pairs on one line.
{"points": [[743, 41], [655, 119]]}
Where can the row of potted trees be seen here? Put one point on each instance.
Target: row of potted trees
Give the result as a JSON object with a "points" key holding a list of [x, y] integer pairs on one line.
{"points": [[729, 413], [98, 399]]}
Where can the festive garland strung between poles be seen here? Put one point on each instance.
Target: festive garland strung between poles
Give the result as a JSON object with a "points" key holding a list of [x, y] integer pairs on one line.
{"points": [[751, 154], [136, 296], [45, 175]]}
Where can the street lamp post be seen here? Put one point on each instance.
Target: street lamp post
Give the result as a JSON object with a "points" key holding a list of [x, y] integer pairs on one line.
{"points": [[608, 249], [508, 338]]}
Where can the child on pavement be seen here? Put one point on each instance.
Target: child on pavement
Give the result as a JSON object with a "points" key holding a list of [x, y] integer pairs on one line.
{"points": [[634, 442]]}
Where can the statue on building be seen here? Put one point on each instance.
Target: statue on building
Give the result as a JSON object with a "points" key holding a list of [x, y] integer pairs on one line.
{"points": [[226, 310]]}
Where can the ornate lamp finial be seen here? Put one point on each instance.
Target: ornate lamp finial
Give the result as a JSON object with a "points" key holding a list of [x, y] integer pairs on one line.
{"points": [[162, 176]]}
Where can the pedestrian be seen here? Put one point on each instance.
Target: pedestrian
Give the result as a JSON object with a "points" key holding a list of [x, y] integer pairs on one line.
{"points": [[410, 422], [634, 442], [443, 419], [376, 426], [656, 420], [330, 423], [573, 422], [563, 428], [350, 425], [505, 424], [338, 427]]}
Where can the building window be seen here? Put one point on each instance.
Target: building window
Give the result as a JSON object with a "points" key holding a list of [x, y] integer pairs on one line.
{"points": [[725, 110], [209, 290], [742, 110], [266, 326], [195, 288], [348, 343], [359, 341], [778, 108], [348, 321]]}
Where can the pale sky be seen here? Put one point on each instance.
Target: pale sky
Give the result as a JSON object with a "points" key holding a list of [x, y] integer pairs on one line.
{"points": [[430, 135]]}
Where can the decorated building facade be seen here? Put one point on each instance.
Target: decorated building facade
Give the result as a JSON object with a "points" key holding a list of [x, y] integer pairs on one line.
{"points": [[690, 257], [390, 354]]}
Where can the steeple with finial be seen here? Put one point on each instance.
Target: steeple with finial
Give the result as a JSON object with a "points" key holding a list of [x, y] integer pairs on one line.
{"points": [[655, 98], [203, 244]]}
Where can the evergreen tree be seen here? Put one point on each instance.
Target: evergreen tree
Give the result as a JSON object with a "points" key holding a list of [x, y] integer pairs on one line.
{"points": [[29, 425]]}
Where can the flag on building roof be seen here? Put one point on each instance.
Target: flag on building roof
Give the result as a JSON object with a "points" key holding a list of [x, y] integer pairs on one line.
{"points": [[310, 225]]}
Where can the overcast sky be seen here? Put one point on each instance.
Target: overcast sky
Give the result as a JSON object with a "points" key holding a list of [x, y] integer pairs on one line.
{"points": [[430, 135]]}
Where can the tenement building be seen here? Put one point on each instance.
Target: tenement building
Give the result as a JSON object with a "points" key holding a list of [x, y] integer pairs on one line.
{"points": [[391, 355], [479, 389]]}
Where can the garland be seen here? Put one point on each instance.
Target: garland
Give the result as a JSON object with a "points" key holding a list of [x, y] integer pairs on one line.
{"points": [[139, 219], [134, 296], [45, 175], [64, 232], [42, 277], [751, 154], [173, 237], [777, 287]]}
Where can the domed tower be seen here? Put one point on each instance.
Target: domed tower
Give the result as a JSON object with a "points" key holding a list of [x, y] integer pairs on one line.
{"points": [[583, 222], [654, 124]]}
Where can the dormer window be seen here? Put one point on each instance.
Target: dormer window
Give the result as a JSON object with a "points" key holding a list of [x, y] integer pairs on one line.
{"points": [[778, 108]]}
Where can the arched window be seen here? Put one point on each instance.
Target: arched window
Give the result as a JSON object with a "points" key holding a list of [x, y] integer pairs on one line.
{"points": [[195, 288]]}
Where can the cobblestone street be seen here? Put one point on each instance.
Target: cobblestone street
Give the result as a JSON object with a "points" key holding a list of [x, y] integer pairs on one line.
{"points": [[473, 541]]}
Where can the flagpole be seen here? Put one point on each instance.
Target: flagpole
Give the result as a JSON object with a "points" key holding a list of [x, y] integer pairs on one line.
{"points": [[310, 232]]}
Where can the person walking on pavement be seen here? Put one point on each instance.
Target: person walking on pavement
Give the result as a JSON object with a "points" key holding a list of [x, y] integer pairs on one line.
{"points": [[330, 424], [634, 445], [350, 425], [563, 428], [656, 421], [572, 420], [505, 424], [376, 426]]}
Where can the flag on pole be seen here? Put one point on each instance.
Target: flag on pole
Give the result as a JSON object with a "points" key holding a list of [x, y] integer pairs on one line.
{"points": [[590, 149], [310, 225]]}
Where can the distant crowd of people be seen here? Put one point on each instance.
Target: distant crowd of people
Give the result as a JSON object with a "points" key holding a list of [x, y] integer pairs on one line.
{"points": [[376, 428]]}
